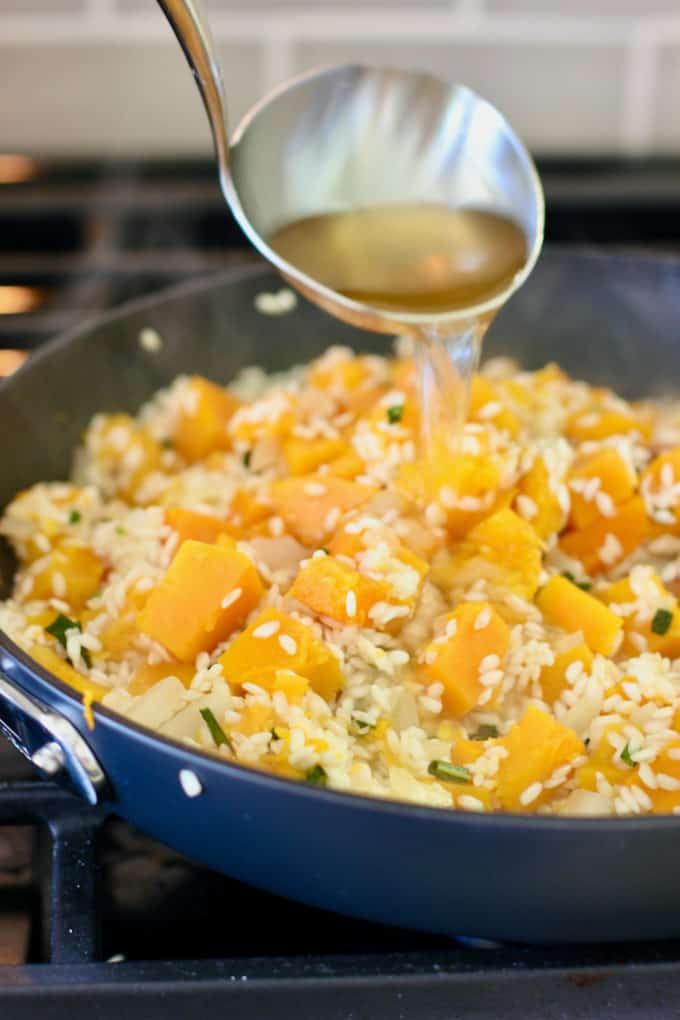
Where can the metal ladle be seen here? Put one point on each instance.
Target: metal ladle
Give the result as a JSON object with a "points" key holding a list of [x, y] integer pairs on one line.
{"points": [[349, 136]]}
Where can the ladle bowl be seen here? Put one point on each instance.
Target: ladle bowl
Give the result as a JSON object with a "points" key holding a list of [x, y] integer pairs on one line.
{"points": [[348, 137]]}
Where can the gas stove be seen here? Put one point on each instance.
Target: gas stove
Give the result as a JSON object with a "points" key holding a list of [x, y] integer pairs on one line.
{"points": [[96, 919]]}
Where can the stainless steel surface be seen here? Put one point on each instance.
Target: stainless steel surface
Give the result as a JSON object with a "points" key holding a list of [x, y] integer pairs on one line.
{"points": [[351, 136], [48, 740], [193, 34]]}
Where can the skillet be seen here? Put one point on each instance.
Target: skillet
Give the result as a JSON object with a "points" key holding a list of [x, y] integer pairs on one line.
{"points": [[613, 320]]}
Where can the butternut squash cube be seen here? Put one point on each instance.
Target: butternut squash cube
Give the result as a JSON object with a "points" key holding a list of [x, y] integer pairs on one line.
{"points": [[196, 605], [304, 456], [662, 636], [616, 481], [202, 422], [658, 482], [71, 572], [330, 588], [473, 632], [600, 423], [512, 546], [535, 486], [190, 524], [312, 505], [609, 540], [347, 465], [273, 642], [537, 745], [553, 678], [567, 606], [488, 405], [465, 487]]}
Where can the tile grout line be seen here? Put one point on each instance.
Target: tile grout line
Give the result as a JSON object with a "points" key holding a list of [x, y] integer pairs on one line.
{"points": [[467, 21]]}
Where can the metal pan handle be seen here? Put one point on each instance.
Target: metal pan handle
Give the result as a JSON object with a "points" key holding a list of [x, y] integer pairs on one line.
{"points": [[49, 740]]}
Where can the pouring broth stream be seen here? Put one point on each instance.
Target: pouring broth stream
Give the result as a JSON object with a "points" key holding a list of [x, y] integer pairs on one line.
{"points": [[423, 259]]}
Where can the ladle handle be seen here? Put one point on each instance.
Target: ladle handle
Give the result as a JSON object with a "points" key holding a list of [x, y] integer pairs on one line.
{"points": [[191, 28]]}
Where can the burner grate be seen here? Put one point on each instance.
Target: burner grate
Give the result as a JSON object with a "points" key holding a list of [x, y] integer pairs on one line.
{"points": [[339, 970]]}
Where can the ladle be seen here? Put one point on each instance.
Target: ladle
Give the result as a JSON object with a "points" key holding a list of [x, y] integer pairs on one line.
{"points": [[348, 137]]}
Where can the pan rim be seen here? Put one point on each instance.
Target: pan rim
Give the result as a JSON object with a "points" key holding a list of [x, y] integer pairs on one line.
{"points": [[549, 824]]}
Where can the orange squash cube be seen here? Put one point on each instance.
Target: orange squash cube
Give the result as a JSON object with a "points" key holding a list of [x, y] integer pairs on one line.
{"points": [[304, 456], [567, 606], [273, 642], [190, 524], [202, 423], [207, 592], [609, 540], [72, 572], [537, 746], [329, 588], [474, 632], [312, 505], [617, 484], [553, 678]]}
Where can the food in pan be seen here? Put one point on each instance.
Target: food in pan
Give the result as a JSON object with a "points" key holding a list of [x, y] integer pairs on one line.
{"points": [[270, 573]]}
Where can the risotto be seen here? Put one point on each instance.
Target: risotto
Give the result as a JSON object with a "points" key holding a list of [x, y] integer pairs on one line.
{"points": [[269, 573]]}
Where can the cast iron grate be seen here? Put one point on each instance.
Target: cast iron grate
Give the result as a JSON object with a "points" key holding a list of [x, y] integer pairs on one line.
{"points": [[303, 962], [82, 237]]}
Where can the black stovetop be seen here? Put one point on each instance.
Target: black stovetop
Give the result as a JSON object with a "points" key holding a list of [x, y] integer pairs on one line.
{"points": [[97, 920]]}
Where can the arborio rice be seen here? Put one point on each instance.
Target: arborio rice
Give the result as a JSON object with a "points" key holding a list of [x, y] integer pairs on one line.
{"points": [[269, 573]]}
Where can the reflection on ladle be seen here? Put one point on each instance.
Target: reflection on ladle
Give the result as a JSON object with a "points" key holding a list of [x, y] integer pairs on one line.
{"points": [[363, 141]]}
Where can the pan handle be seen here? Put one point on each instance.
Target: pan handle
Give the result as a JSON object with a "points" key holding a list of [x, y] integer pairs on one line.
{"points": [[48, 740]]}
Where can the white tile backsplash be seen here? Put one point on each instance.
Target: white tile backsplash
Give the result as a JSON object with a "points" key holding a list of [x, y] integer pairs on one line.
{"points": [[666, 113], [107, 76], [114, 98]]}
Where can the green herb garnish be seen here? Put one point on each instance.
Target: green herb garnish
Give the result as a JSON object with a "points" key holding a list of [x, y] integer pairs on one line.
{"points": [[167, 443], [448, 773], [317, 776], [58, 628], [662, 621], [74, 516], [359, 727], [216, 731], [485, 732], [583, 585], [395, 413], [120, 530], [246, 458], [625, 756]]}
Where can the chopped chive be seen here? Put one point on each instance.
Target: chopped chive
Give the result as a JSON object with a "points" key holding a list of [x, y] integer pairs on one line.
{"points": [[359, 728], [583, 585], [58, 628], [625, 756], [317, 776], [246, 458], [662, 621], [120, 530], [485, 732], [74, 516], [395, 413], [168, 443], [216, 731], [448, 773]]}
